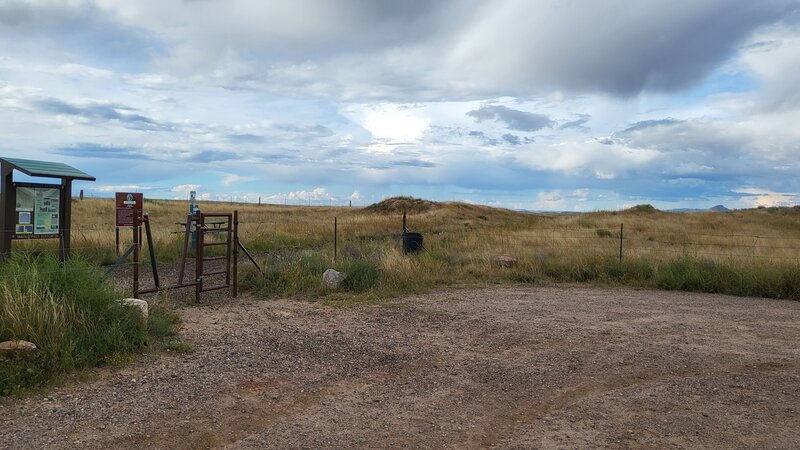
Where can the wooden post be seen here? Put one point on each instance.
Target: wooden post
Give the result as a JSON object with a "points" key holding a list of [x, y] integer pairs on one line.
{"points": [[136, 243], [186, 233], [620, 242], [7, 215], [66, 218], [335, 237], [236, 252], [198, 258], [116, 238], [151, 248], [404, 222]]}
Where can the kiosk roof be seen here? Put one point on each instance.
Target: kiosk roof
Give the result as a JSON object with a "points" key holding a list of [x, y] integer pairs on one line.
{"points": [[47, 169]]}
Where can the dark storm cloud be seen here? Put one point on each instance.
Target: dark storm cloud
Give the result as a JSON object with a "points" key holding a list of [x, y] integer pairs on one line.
{"points": [[410, 50], [622, 48], [512, 118]]}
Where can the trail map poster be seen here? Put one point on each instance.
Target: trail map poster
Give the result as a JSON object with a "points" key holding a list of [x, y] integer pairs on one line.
{"points": [[46, 206], [37, 211]]}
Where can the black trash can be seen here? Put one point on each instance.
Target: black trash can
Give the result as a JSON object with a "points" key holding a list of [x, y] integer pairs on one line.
{"points": [[412, 242]]}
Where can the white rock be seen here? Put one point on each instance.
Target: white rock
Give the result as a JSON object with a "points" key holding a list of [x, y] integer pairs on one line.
{"points": [[332, 278], [141, 304], [16, 346]]}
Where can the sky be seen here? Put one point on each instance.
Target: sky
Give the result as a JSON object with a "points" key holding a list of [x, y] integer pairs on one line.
{"points": [[573, 105]]}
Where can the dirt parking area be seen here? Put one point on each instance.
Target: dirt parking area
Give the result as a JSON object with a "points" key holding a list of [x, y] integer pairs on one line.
{"points": [[510, 367]]}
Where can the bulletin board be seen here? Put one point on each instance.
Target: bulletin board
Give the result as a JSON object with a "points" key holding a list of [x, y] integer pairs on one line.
{"points": [[37, 211]]}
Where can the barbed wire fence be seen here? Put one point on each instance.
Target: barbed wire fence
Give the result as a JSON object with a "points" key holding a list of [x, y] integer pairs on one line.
{"points": [[329, 236]]}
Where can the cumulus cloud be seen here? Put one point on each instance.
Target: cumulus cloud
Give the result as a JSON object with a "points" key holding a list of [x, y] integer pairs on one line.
{"points": [[425, 95], [185, 188], [318, 194], [765, 197]]}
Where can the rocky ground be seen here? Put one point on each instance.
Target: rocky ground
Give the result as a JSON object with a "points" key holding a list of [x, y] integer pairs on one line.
{"points": [[512, 367]]}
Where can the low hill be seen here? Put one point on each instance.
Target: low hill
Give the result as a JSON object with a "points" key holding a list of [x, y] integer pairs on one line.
{"points": [[641, 209], [402, 204]]}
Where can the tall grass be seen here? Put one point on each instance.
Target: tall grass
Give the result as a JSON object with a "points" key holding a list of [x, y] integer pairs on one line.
{"points": [[71, 316], [295, 243]]}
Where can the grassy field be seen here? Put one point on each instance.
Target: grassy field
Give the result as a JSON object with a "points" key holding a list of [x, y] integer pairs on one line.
{"points": [[748, 252], [72, 315]]}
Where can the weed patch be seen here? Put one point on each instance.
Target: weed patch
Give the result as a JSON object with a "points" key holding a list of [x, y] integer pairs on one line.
{"points": [[68, 312]]}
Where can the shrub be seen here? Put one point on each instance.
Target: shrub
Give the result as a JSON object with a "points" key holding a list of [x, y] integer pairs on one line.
{"points": [[361, 275], [295, 276], [68, 312], [603, 233]]}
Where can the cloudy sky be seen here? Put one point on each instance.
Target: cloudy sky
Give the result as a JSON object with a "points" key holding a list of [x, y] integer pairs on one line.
{"points": [[534, 104]]}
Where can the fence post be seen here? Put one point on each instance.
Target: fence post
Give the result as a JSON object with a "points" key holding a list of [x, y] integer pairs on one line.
{"points": [[152, 249], [198, 258], [236, 251], [335, 237], [136, 243], [620, 242]]}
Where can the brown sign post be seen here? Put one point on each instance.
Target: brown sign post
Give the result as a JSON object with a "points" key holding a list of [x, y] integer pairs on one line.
{"points": [[128, 204]]}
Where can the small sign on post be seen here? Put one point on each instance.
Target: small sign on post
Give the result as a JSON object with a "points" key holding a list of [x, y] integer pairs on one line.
{"points": [[128, 205]]}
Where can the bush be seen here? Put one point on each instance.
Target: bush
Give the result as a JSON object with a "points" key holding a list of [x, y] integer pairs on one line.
{"points": [[68, 312], [602, 232], [361, 275], [296, 276]]}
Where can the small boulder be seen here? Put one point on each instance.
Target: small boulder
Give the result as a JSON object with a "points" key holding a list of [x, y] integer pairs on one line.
{"points": [[141, 304], [506, 261], [332, 278], [8, 347]]}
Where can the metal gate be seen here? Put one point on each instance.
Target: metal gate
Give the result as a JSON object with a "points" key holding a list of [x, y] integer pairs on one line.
{"points": [[209, 229]]}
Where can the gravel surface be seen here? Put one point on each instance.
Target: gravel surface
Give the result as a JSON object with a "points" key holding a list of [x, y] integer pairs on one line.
{"points": [[512, 367]]}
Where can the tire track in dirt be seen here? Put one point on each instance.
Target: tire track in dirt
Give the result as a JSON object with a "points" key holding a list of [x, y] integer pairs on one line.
{"points": [[501, 426]]}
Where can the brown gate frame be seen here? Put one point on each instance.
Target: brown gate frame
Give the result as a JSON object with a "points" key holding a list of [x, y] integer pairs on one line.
{"points": [[231, 256]]}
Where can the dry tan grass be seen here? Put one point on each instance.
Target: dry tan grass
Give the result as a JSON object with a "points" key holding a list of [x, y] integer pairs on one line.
{"points": [[474, 233]]}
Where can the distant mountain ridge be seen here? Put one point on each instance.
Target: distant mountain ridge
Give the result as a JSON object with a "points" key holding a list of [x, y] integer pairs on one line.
{"points": [[717, 208]]}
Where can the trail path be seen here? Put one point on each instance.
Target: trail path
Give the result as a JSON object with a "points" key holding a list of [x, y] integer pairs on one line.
{"points": [[510, 367]]}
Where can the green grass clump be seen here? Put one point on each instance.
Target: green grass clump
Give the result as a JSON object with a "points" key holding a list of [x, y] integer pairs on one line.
{"points": [[361, 275], [291, 276], [688, 274], [68, 312]]}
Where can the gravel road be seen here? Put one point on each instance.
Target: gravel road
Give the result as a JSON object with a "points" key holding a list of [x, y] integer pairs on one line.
{"points": [[512, 367]]}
